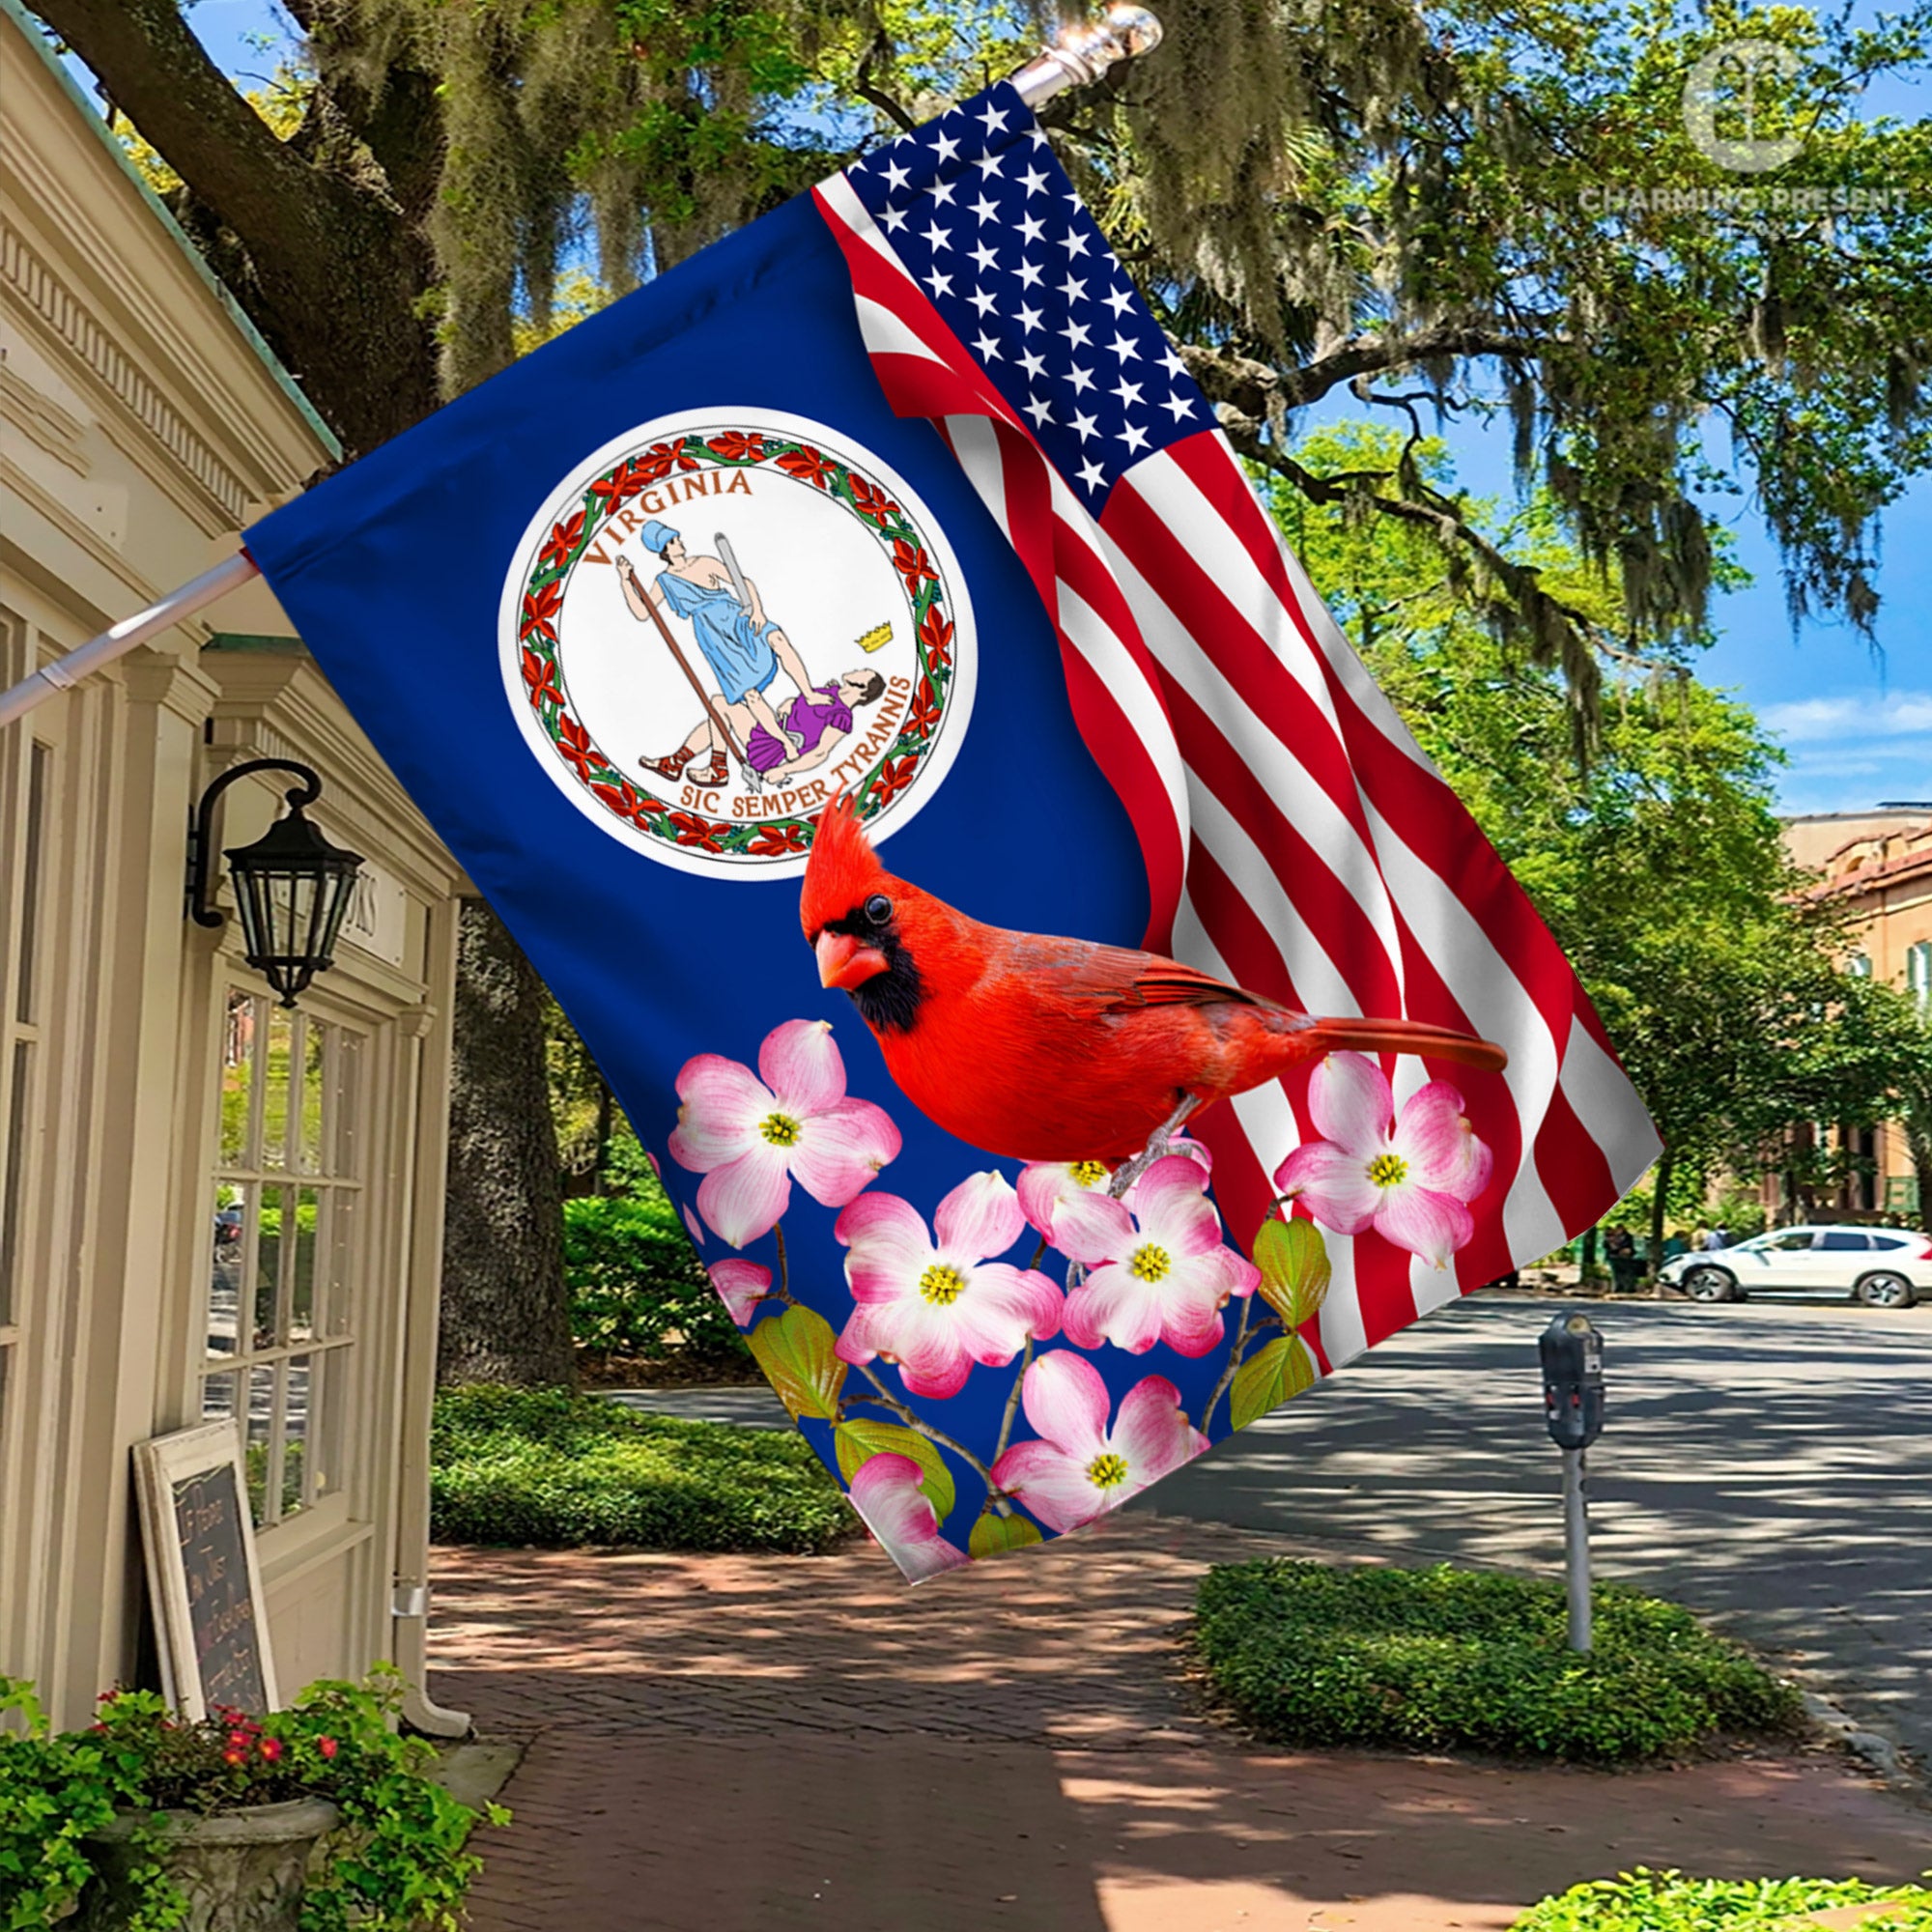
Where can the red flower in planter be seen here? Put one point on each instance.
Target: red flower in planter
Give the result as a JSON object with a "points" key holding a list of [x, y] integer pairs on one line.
{"points": [[328, 1747], [272, 1748]]}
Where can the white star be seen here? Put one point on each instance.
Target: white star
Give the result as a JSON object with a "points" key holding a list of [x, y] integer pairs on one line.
{"points": [[1182, 405], [985, 209], [1075, 290], [1134, 435], [1125, 347], [1091, 474], [1129, 393], [989, 164], [1081, 379], [986, 347], [940, 285], [936, 238], [1077, 334], [1173, 364], [895, 176], [1073, 241], [1087, 426], [984, 300], [1029, 273], [1120, 300], [942, 190], [945, 147], [995, 117], [1037, 411], [1027, 318], [1038, 137], [1032, 180], [895, 219], [985, 257], [1032, 363], [1029, 229]]}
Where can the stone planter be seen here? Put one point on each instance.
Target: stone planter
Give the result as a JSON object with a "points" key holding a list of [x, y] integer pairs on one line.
{"points": [[239, 1871]]}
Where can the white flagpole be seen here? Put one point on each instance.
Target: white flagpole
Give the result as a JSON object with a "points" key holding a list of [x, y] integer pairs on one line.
{"points": [[1079, 57]]}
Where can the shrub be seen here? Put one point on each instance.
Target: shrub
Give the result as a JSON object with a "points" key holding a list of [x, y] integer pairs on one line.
{"points": [[544, 1466], [1647, 1901], [637, 1290], [1307, 1653]]}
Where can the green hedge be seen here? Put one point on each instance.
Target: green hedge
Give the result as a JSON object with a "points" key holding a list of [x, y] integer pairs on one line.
{"points": [[1307, 1653], [543, 1467], [1646, 1901], [638, 1292]]}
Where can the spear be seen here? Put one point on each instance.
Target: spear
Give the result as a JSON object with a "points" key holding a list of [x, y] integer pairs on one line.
{"points": [[676, 650]]}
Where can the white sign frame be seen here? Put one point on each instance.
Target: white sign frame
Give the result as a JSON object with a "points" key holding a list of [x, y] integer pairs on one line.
{"points": [[158, 1465]]}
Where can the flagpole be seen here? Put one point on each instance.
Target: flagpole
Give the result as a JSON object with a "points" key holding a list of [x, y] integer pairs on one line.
{"points": [[1079, 57]]}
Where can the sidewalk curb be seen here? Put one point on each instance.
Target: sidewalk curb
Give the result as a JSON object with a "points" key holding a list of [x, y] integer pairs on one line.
{"points": [[1879, 1752]]}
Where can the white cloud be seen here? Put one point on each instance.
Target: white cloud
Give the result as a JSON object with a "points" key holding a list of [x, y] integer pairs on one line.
{"points": [[1836, 720]]}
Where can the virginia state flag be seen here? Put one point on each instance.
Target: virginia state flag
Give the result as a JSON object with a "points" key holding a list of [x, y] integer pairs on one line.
{"points": [[901, 495]]}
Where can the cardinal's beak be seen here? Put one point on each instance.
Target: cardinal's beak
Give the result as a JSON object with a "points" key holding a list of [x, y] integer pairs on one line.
{"points": [[845, 962]]}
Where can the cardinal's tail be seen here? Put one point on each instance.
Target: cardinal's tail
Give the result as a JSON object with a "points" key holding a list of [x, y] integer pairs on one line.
{"points": [[1433, 1043]]}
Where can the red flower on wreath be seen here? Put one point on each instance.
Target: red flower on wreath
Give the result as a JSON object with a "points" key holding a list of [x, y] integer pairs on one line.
{"points": [[735, 446], [691, 829], [563, 541], [935, 633], [892, 779], [776, 841], [662, 458], [540, 677], [923, 720], [621, 485], [912, 564], [540, 611], [574, 746], [872, 503], [626, 804], [805, 465]]}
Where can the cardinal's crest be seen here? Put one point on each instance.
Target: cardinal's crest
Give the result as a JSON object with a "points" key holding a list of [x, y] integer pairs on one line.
{"points": [[811, 623]]}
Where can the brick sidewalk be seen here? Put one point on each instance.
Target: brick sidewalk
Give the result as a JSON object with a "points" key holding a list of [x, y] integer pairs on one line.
{"points": [[725, 1744]]}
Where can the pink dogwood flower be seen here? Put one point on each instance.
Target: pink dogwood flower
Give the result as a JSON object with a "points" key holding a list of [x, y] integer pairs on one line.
{"points": [[937, 1307], [741, 1286], [1046, 1184], [886, 1491], [1079, 1468], [1409, 1179], [751, 1137], [1158, 1272]]}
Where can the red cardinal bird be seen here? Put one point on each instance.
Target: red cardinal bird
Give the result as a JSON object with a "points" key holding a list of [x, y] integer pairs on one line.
{"points": [[1053, 1049]]}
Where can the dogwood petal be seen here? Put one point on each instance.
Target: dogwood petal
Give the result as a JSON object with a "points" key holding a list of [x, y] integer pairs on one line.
{"points": [[1152, 1433], [801, 1064], [724, 1102], [1190, 1306], [891, 1248], [746, 1197], [1066, 1401], [932, 1356], [980, 1217], [1041, 1187], [1092, 1228], [1000, 1307], [1114, 1305], [838, 1153], [1333, 1183], [1219, 1273], [1172, 1206], [1435, 1143], [1052, 1486], [1431, 1225], [741, 1286], [1350, 1101], [886, 1492], [692, 1223]]}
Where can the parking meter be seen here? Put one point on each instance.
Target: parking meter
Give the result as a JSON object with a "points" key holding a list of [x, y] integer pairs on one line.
{"points": [[1573, 1381]]}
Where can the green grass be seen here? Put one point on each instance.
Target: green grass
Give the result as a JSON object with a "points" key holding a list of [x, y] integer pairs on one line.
{"points": [[1645, 1901], [546, 1467], [1306, 1654]]}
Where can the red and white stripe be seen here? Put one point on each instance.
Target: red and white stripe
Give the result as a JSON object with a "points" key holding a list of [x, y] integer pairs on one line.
{"points": [[1297, 841]]}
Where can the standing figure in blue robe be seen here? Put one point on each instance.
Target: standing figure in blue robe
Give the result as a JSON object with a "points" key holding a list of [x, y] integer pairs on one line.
{"points": [[743, 648]]}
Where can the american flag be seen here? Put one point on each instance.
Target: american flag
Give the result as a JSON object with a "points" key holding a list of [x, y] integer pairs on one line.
{"points": [[1296, 839]]}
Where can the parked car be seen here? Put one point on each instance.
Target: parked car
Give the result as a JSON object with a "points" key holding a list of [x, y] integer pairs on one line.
{"points": [[1882, 1267]]}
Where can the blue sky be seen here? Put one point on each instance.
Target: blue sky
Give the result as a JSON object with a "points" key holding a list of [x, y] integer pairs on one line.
{"points": [[1856, 723]]}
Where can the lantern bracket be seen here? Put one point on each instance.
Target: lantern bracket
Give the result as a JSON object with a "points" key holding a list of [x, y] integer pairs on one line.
{"points": [[200, 838]]}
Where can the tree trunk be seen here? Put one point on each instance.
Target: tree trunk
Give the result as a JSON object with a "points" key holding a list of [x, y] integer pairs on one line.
{"points": [[505, 1317], [1659, 1204]]}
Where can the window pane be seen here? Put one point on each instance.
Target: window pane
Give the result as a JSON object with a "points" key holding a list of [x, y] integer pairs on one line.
{"points": [[275, 1228], [346, 1157], [1842, 1244], [275, 1093], [261, 1430], [315, 1037], [224, 1273], [302, 1293], [217, 1398], [12, 1203], [237, 1077], [344, 1212], [328, 1399], [297, 1396]]}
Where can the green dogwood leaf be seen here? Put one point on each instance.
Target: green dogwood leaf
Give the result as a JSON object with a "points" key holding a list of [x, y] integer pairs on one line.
{"points": [[858, 1442], [994, 1532], [1270, 1376], [795, 1351], [1295, 1266]]}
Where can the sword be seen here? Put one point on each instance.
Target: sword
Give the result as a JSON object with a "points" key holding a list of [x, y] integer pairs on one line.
{"points": [[730, 558]]}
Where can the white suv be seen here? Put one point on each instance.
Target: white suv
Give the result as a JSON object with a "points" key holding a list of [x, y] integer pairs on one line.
{"points": [[1882, 1267]]}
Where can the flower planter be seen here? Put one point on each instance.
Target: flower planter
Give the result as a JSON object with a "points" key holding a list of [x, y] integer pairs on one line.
{"points": [[239, 1871]]}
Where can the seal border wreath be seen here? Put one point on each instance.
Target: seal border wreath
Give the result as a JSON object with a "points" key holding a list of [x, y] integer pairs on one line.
{"points": [[742, 446]]}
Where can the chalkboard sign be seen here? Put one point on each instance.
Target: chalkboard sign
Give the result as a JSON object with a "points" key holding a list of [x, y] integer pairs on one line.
{"points": [[202, 1572]]}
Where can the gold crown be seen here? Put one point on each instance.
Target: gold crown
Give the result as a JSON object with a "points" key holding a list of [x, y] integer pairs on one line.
{"points": [[876, 638]]}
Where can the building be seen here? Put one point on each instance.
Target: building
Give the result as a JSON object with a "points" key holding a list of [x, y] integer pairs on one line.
{"points": [[211, 1206]]}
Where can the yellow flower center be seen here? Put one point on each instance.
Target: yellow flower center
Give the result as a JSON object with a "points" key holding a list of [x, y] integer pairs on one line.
{"points": [[941, 1285], [1107, 1471], [1388, 1170], [1089, 1173], [1150, 1262], [781, 1129]]}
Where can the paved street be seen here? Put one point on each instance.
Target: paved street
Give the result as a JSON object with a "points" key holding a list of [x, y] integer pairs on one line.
{"points": [[1769, 1463]]}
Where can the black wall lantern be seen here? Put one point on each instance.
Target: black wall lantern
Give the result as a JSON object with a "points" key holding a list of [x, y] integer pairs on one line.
{"points": [[291, 886]]}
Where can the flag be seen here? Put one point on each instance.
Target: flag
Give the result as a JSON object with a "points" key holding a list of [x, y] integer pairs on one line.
{"points": [[901, 495]]}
